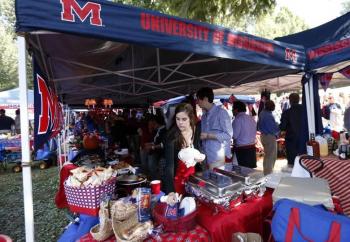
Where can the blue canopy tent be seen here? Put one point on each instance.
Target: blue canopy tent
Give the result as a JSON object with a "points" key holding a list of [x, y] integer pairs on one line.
{"points": [[137, 56], [327, 50], [99, 49]]}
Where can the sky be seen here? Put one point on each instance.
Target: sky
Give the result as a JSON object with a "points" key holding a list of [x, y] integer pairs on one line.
{"points": [[314, 12]]}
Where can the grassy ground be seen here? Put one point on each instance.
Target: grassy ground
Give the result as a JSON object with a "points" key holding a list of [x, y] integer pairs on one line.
{"points": [[49, 221]]}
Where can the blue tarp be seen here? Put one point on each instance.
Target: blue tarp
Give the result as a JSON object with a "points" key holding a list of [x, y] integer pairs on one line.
{"points": [[326, 44]]}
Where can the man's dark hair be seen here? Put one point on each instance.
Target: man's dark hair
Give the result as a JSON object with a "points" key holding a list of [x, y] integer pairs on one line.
{"points": [[17, 111], [206, 92], [269, 105], [2, 111], [294, 98], [239, 106]]}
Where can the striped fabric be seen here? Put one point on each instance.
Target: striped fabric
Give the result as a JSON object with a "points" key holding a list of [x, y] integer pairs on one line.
{"points": [[337, 173]]}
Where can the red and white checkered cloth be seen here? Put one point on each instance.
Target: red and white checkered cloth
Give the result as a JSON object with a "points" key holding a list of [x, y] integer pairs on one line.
{"points": [[198, 234], [336, 172], [88, 238]]}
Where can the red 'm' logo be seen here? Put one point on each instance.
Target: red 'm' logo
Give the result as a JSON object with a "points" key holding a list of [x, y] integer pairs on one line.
{"points": [[49, 108], [89, 9], [291, 55]]}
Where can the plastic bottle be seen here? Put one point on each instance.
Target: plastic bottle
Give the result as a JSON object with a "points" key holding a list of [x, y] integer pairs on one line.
{"points": [[323, 145]]}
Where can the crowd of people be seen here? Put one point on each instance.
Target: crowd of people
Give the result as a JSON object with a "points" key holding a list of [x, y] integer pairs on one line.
{"points": [[8, 124], [154, 140]]}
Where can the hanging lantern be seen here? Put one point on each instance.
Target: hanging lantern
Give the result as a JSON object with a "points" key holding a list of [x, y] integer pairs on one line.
{"points": [[90, 102], [107, 103]]}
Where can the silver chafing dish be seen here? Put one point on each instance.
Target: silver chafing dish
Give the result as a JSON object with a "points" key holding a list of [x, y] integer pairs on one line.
{"points": [[216, 184], [221, 187], [248, 176]]}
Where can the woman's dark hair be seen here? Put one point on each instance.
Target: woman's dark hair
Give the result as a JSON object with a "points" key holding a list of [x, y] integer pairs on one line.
{"points": [[186, 108], [269, 105]]}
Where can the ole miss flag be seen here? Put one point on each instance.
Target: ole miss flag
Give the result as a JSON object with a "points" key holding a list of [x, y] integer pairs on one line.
{"points": [[325, 79], [346, 72], [48, 116]]}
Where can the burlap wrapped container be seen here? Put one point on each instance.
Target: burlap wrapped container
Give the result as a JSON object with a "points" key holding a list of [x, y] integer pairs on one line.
{"points": [[121, 229], [122, 211], [103, 230]]}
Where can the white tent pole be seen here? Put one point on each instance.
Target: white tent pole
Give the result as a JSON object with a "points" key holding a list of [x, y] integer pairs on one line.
{"points": [[27, 173], [59, 151], [307, 102], [312, 105]]}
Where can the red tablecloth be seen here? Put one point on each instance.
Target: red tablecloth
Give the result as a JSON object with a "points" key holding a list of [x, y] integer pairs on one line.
{"points": [[336, 172], [247, 217], [198, 234]]}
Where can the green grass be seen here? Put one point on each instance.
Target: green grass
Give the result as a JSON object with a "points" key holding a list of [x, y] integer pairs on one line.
{"points": [[48, 220]]}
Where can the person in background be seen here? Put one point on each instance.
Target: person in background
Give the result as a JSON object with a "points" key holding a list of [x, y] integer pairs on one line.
{"points": [[290, 126], [133, 124], [216, 129], [269, 132], [18, 122], [79, 125], [331, 106], [244, 133], [347, 119], [155, 149], [5, 121]]}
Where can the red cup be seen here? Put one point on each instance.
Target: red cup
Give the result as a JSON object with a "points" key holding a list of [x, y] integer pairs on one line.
{"points": [[155, 186]]}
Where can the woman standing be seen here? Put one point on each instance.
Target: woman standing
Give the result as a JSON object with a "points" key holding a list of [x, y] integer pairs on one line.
{"points": [[182, 135], [269, 132]]}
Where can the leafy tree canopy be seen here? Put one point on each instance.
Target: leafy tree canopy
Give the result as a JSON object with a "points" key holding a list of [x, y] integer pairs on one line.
{"points": [[346, 7], [207, 10]]}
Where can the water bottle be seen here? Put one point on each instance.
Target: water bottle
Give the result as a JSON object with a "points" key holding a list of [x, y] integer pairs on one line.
{"points": [[13, 130]]}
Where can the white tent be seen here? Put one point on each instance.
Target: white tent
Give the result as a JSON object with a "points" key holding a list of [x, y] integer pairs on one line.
{"points": [[9, 100]]}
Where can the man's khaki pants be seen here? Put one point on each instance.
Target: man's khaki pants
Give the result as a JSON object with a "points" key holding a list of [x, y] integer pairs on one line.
{"points": [[270, 152]]}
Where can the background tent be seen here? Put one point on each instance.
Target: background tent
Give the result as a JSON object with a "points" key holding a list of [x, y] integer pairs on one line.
{"points": [[328, 53], [325, 45], [9, 100]]}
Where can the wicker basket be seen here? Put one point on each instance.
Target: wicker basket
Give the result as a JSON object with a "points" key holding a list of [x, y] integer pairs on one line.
{"points": [[101, 233], [182, 224], [122, 214], [119, 227]]}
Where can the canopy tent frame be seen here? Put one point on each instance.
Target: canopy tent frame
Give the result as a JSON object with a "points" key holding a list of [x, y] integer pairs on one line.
{"points": [[138, 83]]}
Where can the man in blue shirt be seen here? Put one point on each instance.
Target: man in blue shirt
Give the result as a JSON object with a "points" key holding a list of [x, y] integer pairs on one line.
{"points": [[244, 134], [216, 129], [269, 132]]}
